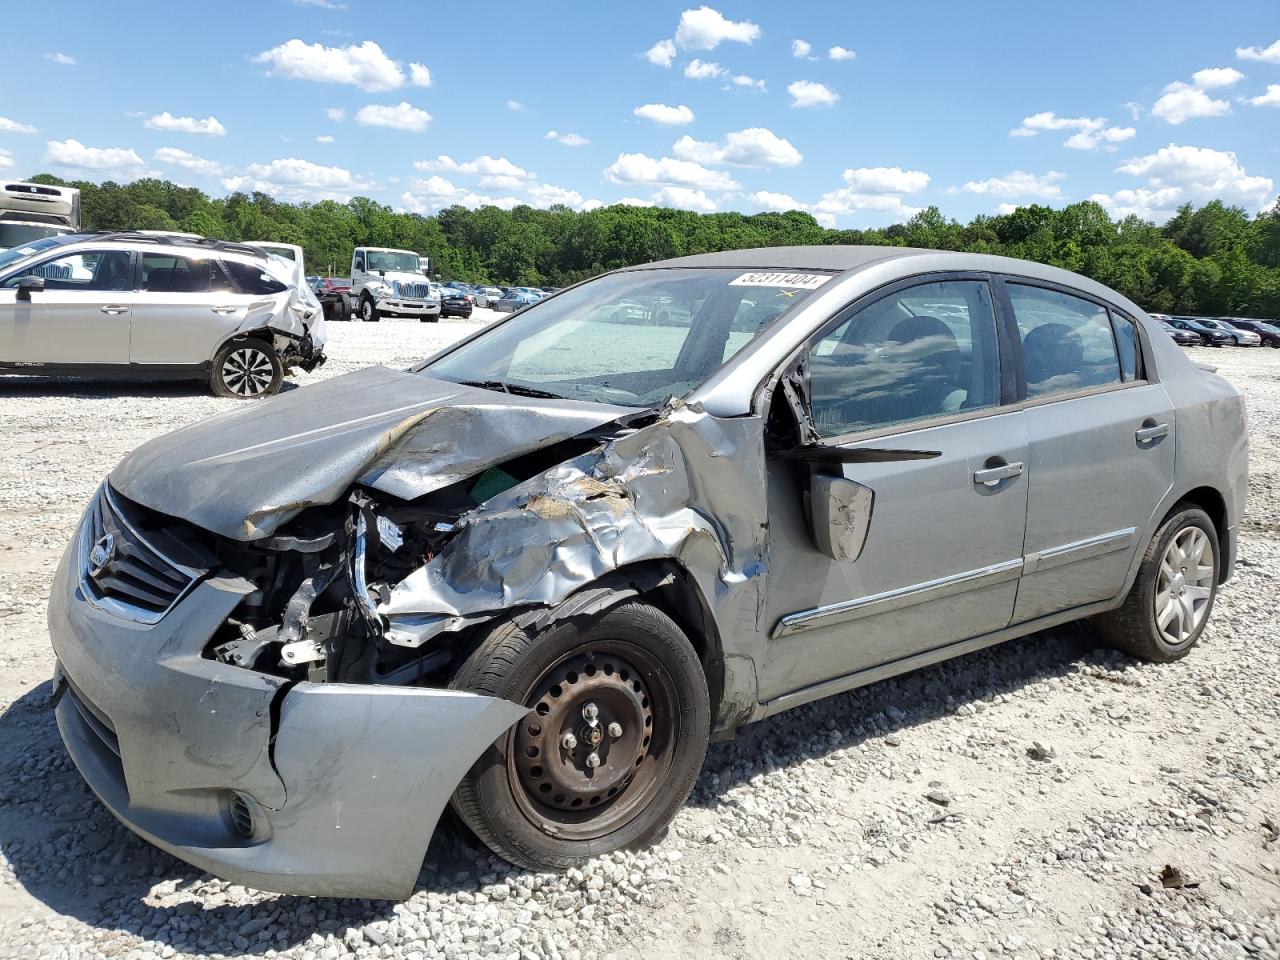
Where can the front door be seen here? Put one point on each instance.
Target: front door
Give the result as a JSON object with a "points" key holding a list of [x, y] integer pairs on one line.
{"points": [[81, 317], [1101, 448], [917, 369]]}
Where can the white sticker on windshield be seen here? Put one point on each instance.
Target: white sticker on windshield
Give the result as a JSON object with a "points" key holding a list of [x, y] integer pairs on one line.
{"points": [[802, 281], [26, 251]]}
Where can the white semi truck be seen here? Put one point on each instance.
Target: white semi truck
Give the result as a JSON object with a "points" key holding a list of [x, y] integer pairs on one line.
{"points": [[32, 211], [392, 283]]}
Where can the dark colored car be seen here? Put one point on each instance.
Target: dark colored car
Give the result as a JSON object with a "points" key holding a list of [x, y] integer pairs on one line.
{"points": [[456, 303], [1209, 336], [1183, 338], [1269, 332]]}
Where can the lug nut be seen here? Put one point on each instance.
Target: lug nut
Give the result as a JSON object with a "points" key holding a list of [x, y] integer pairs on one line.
{"points": [[590, 711], [593, 760], [615, 730], [569, 741]]}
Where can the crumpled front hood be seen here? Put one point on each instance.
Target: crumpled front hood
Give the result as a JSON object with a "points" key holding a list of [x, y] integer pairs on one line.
{"points": [[243, 474]]}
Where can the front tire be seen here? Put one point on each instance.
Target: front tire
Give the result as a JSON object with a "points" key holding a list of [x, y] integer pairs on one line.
{"points": [[611, 748], [369, 310], [1170, 601], [246, 370]]}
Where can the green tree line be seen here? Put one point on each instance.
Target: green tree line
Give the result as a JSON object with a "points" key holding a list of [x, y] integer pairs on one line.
{"points": [[1212, 260]]}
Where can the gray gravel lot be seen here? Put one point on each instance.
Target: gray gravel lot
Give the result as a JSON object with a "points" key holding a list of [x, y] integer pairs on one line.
{"points": [[1018, 802]]}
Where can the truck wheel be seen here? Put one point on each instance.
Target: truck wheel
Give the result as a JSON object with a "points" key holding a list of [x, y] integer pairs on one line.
{"points": [[342, 307], [610, 749], [368, 311], [245, 370], [1172, 597]]}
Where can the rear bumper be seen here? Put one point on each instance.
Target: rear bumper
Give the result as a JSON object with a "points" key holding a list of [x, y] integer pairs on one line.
{"points": [[342, 785]]}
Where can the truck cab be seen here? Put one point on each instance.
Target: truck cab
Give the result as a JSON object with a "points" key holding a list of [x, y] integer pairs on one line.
{"points": [[33, 211], [386, 282]]}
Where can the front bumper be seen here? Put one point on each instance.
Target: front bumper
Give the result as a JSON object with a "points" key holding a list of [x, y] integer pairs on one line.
{"points": [[417, 308], [343, 783]]}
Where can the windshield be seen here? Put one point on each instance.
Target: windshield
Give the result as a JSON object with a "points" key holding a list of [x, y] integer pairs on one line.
{"points": [[393, 262], [10, 257], [632, 339]]}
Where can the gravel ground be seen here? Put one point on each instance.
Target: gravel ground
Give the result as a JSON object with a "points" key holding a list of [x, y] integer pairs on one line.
{"points": [[1021, 802]]}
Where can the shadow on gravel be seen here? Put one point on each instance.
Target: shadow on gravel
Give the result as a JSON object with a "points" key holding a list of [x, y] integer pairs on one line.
{"points": [[65, 850], [103, 388]]}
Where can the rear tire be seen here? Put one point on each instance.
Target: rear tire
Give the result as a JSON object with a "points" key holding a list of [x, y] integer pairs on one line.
{"points": [[536, 796], [1171, 599], [245, 370]]}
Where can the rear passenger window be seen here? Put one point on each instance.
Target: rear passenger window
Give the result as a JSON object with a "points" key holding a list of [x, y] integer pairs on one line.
{"points": [[251, 278], [924, 352], [1127, 345], [165, 273], [1067, 342]]}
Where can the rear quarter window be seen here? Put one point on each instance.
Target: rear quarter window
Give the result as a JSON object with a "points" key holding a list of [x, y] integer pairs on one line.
{"points": [[251, 278]]}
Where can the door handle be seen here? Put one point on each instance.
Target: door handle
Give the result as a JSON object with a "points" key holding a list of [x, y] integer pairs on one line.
{"points": [[1147, 434], [113, 309], [993, 475], [223, 311]]}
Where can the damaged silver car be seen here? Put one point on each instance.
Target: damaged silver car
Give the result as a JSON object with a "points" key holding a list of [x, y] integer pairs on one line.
{"points": [[533, 575]]}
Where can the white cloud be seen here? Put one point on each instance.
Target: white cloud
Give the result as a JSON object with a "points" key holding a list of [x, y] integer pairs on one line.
{"points": [[768, 200], [1004, 209], [335, 114], [546, 195], [568, 139], [806, 93], [6, 159], [1212, 78], [1269, 99], [516, 106], [1181, 102], [636, 202], [361, 65], [638, 168], [320, 4], [885, 180], [209, 126], [419, 75], [189, 161], [801, 49], [841, 53], [742, 80], [324, 138], [661, 53], [113, 160], [1179, 174], [294, 180], [13, 126], [752, 147], [684, 198], [697, 69], [847, 200], [1090, 133], [706, 29], [1019, 184], [663, 114], [1270, 55], [61, 58], [436, 193], [492, 173], [403, 116]]}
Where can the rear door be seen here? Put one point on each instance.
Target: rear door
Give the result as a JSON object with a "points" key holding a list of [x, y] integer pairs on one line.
{"points": [[185, 306], [81, 317], [1101, 446], [917, 368]]}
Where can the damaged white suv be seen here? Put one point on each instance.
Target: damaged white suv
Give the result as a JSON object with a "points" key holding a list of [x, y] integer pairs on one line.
{"points": [[533, 575], [156, 306]]}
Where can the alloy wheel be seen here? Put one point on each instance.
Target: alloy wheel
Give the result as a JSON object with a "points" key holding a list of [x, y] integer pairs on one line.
{"points": [[1184, 585], [247, 372]]}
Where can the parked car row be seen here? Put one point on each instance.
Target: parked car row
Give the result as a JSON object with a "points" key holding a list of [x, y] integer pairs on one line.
{"points": [[1220, 331]]}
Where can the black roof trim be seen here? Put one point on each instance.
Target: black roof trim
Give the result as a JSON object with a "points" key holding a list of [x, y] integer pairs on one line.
{"points": [[172, 240]]}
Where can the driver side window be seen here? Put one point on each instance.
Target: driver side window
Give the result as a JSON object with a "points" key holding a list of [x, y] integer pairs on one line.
{"points": [[923, 352], [90, 271]]}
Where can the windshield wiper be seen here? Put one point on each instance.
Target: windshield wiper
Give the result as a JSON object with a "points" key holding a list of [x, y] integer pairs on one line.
{"points": [[516, 389]]}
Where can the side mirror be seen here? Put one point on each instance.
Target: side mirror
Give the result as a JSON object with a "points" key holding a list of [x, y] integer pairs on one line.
{"points": [[359, 265], [839, 516], [28, 286]]}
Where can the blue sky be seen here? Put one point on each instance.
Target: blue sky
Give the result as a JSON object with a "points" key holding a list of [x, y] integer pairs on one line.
{"points": [[733, 106]]}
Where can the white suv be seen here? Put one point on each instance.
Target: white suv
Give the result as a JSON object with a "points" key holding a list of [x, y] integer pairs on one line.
{"points": [[154, 306]]}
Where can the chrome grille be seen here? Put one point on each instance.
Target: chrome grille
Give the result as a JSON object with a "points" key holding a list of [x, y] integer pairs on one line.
{"points": [[411, 291], [122, 571]]}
